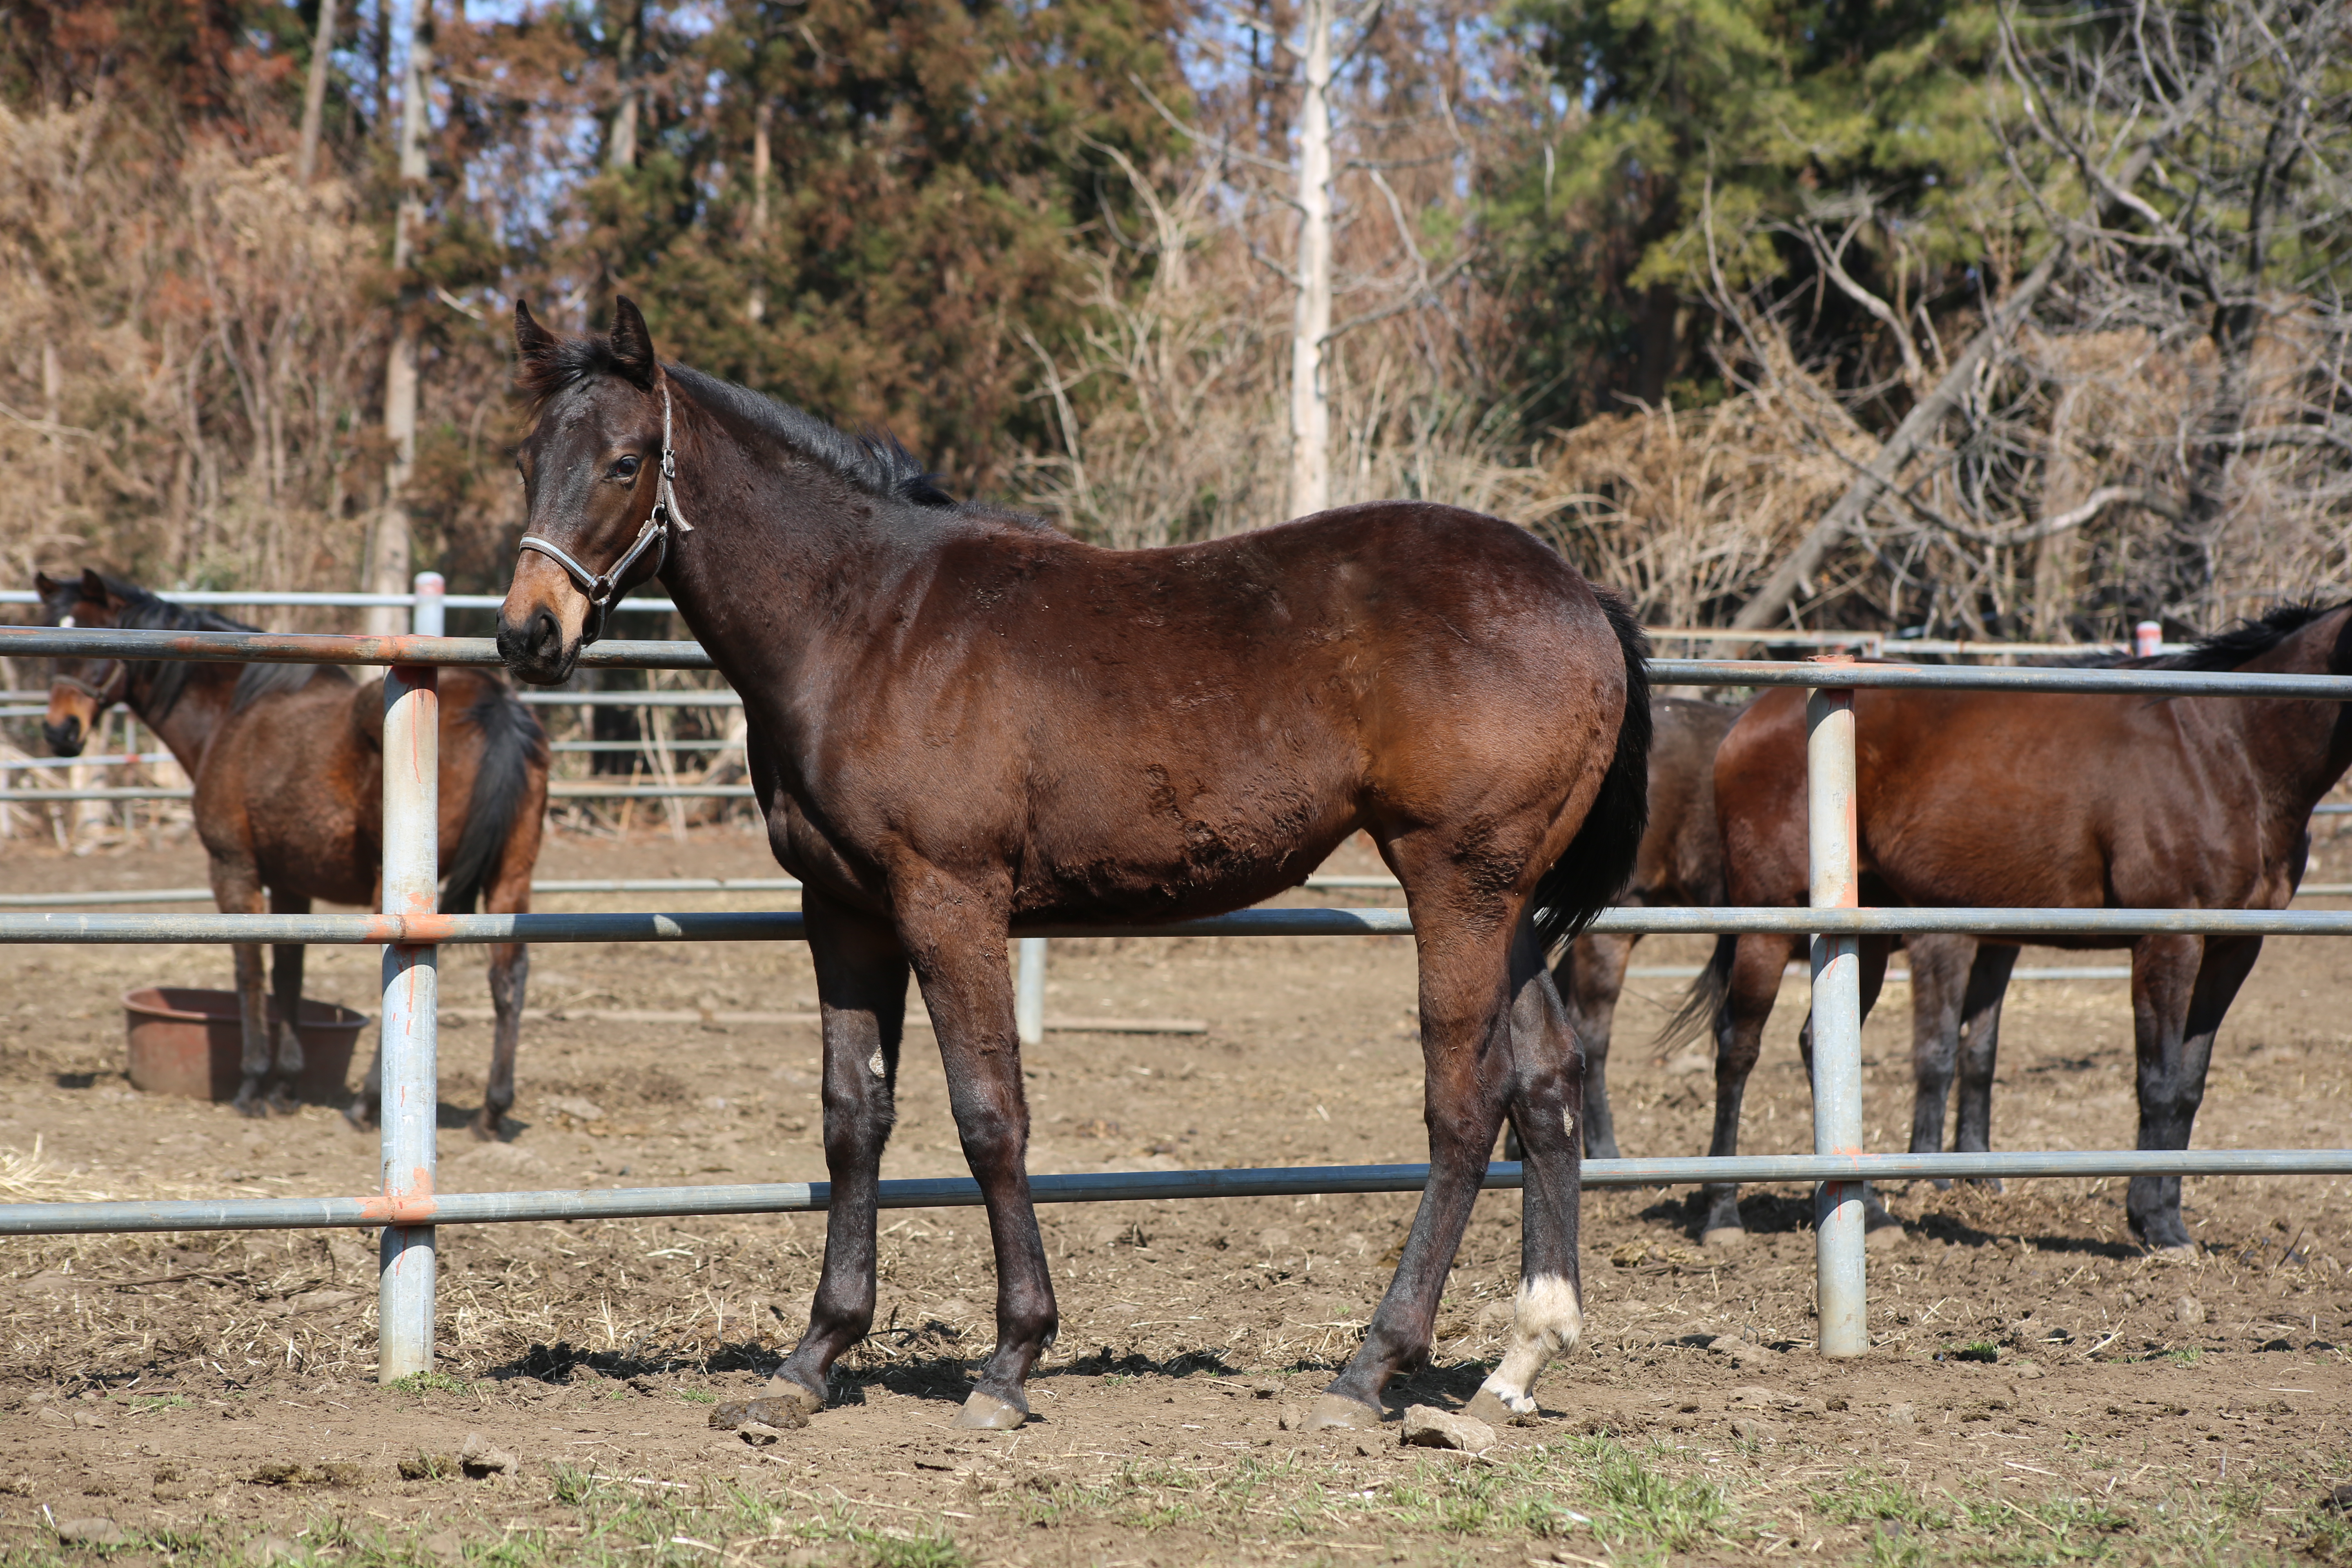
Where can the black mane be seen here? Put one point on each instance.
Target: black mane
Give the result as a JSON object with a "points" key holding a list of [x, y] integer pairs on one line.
{"points": [[874, 462], [2256, 634], [167, 678]]}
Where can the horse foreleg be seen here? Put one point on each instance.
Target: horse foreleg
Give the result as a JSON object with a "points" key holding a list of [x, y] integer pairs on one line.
{"points": [[1466, 1060], [1589, 978], [509, 978], [861, 982], [1981, 1049], [1939, 984], [968, 986], [1755, 984], [2181, 988], [1548, 1317]]}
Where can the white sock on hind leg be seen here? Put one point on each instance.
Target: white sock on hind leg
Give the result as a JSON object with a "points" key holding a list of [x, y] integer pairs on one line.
{"points": [[1546, 1319]]}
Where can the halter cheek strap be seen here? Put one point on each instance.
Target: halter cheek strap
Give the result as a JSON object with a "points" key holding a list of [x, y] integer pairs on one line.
{"points": [[117, 684], [603, 588]]}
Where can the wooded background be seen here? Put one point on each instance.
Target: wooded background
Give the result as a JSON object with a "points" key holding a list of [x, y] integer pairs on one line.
{"points": [[1893, 314]]}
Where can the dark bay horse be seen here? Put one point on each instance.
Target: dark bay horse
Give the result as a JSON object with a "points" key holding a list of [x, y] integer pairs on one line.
{"points": [[1955, 988], [287, 763], [962, 721], [2055, 800]]}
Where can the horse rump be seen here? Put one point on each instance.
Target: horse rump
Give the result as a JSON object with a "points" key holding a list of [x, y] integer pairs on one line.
{"points": [[1599, 861]]}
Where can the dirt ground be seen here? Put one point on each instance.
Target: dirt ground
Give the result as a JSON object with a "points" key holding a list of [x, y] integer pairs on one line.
{"points": [[2040, 1390]]}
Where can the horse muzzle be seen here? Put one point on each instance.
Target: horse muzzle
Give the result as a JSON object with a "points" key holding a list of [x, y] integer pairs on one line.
{"points": [[542, 625], [65, 736]]}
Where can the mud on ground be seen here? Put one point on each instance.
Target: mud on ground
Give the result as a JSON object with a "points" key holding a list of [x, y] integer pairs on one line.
{"points": [[2040, 1390]]}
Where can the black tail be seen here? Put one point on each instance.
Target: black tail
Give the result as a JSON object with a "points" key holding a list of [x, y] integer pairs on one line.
{"points": [[512, 744], [1600, 859], [1705, 998]]}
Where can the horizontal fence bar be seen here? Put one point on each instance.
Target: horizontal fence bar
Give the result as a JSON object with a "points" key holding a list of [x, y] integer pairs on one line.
{"points": [[115, 762], [560, 789], [785, 925], [558, 885], [267, 597], [290, 647], [723, 697], [1127, 1187]]}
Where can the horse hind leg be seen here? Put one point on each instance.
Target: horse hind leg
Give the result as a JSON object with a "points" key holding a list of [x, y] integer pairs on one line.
{"points": [[236, 891], [1548, 1081], [1465, 1053], [510, 980], [1981, 1049], [1756, 964], [285, 1029]]}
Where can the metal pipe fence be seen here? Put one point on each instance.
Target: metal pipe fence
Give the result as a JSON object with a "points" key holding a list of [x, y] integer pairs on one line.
{"points": [[408, 1208]]}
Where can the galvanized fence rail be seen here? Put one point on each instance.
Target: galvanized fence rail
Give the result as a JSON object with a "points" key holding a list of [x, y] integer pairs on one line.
{"points": [[408, 1207]]}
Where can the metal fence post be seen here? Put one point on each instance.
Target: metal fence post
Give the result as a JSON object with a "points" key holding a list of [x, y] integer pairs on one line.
{"points": [[410, 1098], [1844, 1318], [1029, 991], [428, 614]]}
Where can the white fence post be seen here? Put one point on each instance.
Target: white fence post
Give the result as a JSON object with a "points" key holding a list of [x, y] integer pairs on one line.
{"points": [[411, 1097], [428, 616], [1842, 1295], [1029, 991], [2147, 640]]}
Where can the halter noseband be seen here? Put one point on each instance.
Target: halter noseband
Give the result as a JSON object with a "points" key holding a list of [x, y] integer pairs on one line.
{"points": [[117, 684], [603, 588]]}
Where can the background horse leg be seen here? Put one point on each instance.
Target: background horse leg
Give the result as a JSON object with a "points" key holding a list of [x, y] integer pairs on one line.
{"points": [[286, 983], [236, 891], [509, 978], [1756, 964], [2181, 986], [1468, 1073], [1939, 968], [1549, 1315], [1878, 1226], [1981, 1049], [861, 985], [1589, 978]]}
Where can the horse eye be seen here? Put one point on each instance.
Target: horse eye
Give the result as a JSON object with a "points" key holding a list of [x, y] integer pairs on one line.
{"points": [[626, 469]]}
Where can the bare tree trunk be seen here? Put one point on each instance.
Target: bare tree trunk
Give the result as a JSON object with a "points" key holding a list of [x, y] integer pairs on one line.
{"points": [[756, 306], [314, 93], [390, 558], [1310, 396], [620, 146]]}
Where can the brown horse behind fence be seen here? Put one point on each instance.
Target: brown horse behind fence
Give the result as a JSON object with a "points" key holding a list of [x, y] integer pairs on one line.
{"points": [[2049, 800], [287, 763], [962, 721], [1956, 988]]}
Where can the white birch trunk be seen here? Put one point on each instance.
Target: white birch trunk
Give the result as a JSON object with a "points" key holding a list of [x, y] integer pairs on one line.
{"points": [[1310, 402], [314, 93], [756, 305], [390, 559]]}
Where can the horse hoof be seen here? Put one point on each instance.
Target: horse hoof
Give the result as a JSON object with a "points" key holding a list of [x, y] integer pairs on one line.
{"points": [[2178, 1252], [1723, 1239], [282, 1102], [986, 1412], [1985, 1183], [251, 1105], [360, 1116], [484, 1131], [782, 1391], [1338, 1412]]}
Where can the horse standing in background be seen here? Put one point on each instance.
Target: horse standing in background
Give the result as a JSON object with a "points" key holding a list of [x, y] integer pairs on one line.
{"points": [[287, 761], [962, 721], [2049, 800], [1955, 984]]}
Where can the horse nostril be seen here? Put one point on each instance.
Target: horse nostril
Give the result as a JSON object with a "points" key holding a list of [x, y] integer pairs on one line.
{"points": [[546, 636], [65, 739]]}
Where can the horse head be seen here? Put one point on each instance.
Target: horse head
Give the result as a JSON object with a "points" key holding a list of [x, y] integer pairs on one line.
{"points": [[80, 690], [595, 469]]}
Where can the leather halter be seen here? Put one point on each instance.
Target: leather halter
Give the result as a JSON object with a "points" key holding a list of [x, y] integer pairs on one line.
{"points": [[117, 683], [603, 589]]}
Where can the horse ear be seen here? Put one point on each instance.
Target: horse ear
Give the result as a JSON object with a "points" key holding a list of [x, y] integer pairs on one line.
{"points": [[633, 345], [44, 585], [93, 588], [531, 339]]}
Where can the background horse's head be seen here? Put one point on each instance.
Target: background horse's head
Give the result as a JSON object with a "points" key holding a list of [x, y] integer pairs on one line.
{"points": [[592, 480], [80, 690]]}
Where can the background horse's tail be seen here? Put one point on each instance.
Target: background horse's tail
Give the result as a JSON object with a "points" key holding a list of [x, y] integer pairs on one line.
{"points": [[1600, 859], [512, 745], [1705, 998]]}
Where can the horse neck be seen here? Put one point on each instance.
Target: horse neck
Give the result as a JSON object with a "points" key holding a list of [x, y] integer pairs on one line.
{"points": [[2301, 747], [203, 702], [757, 581]]}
